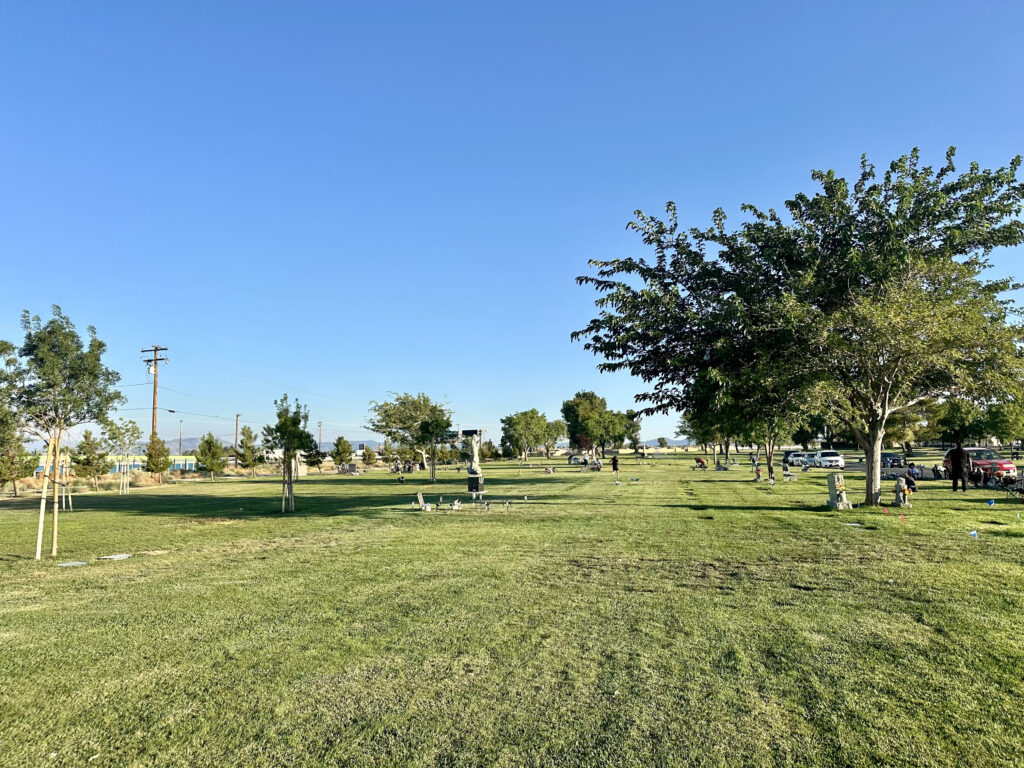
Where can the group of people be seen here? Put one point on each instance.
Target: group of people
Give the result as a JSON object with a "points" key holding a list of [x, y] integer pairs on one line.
{"points": [[585, 462], [963, 470]]}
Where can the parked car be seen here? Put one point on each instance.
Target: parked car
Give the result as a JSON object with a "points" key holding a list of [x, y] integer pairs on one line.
{"points": [[794, 458], [894, 460], [986, 459], [787, 456], [826, 459]]}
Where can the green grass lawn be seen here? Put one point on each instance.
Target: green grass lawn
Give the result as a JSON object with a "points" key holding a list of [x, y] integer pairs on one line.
{"points": [[683, 619]]}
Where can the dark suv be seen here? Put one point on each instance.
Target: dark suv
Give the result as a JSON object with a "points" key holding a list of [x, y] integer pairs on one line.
{"points": [[893, 460]]}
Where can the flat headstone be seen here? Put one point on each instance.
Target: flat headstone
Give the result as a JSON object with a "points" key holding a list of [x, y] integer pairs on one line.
{"points": [[115, 557], [71, 564]]}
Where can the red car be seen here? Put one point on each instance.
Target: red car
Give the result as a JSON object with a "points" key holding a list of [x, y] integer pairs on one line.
{"points": [[986, 459]]}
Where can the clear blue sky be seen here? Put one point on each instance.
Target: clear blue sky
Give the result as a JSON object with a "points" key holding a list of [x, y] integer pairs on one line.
{"points": [[342, 199]]}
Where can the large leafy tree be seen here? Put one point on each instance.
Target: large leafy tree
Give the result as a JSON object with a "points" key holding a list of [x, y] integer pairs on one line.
{"points": [[962, 420], [873, 294], [612, 430], [634, 421], [14, 459], [62, 383], [91, 459], [401, 418], [15, 462], [584, 415], [290, 437], [554, 431], [1006, 421], [433, 428], [211, 455], [524, 431]]}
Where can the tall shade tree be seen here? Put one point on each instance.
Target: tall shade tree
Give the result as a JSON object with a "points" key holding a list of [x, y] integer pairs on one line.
{"points": [[524, 432], [962, 420], [91, 459], [63, 384], [211, 455], [633, 423], [554, 431], [433, 428], [290, 437], [1006, 421], [612, 428], [583, 416], [874, 294], [158, 457], [399, 420], [250, 453], [15, 462]]}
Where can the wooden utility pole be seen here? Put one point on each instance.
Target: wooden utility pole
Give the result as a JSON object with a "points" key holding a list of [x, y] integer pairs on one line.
{"points": [[154, 368], [237, 415], [319, 435]]}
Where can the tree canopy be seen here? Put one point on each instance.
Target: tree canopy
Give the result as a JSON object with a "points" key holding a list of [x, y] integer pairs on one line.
{"points": [[341, 452], [412, 421], [91, 458], [869, 298], [211, 455], [158, 456], [523, 432], [250, 453], [290, 437]]}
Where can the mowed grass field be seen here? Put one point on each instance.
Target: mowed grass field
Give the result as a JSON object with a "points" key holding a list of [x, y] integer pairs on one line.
{"points": [[679, 619]]}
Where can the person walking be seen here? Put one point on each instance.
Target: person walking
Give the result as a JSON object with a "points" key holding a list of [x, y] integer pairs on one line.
{"points": [[959, 466], [615, 465]]}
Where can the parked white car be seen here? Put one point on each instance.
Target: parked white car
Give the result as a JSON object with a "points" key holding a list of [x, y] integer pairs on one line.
{"points": [[826, 459], [796, 459]]}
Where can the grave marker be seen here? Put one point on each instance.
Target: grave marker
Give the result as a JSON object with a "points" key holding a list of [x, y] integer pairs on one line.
{"points": [[837, 492]]}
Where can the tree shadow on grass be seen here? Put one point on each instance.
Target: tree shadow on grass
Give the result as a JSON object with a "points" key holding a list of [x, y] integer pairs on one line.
{"points": [[365, 497], [712, 507]]}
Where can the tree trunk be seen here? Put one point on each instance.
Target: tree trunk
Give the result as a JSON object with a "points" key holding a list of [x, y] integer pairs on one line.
{"points": [[56, 464], [769, 457], [291, 485], [42, 499], [873, 457], [284, 483]]}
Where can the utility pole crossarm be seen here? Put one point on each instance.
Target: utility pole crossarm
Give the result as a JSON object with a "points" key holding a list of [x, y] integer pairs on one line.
{"points": [[154, 367]]}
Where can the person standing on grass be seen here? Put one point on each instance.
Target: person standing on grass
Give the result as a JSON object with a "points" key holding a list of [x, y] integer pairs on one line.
{"points": [[959, 466], [615, 465]]}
